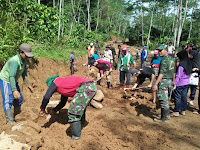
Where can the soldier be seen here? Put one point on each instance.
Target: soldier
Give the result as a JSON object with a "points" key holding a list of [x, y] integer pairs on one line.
{"points": [[164, 81], [81, 89]]}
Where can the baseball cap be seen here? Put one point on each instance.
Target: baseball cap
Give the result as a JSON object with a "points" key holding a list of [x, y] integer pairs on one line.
{"points": [[91, 44], [144, 47], [107, 46], [156, 52], [124, 48], [162, 46], [26, 49]]}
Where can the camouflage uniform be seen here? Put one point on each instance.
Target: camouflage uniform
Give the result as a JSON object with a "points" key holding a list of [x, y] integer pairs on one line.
{"points": [[81, 99], [163, 90]]}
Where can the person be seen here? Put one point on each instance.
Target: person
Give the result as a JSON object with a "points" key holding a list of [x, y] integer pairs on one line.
{"points": [[104, 67], [164, 81], [144, 56], [108, 54], [81, 89], [95, 55], [182, 84], [193, 79], [188, 48], [72, 62], [198, 111], [171, 49], [97, 47], [9, 75], [119, 50], [113, 53], [141, 74], [124, 67], [155, 63], [138, 54], [90, 51]]}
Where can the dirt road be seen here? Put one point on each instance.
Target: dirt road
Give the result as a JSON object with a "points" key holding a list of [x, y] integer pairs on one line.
{"points": [[120, 124]]}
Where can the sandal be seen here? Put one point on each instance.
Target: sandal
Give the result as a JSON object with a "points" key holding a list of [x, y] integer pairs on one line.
{"points": [[174, 115], [196, 112]]}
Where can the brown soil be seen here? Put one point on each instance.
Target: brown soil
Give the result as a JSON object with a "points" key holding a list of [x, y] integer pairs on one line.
{"points": [[120, 124]]}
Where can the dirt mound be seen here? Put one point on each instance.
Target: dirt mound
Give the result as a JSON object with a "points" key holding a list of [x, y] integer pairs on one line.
{"points": [[120, 124]]}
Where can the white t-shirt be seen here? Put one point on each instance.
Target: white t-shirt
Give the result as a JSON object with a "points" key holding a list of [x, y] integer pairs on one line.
{"points": [[170, 49], [108, 55]]}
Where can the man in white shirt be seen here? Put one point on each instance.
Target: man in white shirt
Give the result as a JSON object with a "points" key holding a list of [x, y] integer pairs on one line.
{"points": [[108, 54], [171, 49]]}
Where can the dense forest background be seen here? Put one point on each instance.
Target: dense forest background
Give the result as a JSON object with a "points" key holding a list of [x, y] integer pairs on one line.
{"points": [[56, 27]]}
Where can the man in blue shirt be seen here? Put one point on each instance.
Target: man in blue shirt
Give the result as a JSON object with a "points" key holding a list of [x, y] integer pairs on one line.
{"points": [[144, 56], [72, 62]]}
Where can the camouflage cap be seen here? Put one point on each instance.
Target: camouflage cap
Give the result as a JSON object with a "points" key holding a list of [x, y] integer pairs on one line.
{"points": [[162, 46]]}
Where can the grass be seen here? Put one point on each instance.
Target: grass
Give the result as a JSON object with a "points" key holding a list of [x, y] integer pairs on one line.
{"points": [[57, 53]]}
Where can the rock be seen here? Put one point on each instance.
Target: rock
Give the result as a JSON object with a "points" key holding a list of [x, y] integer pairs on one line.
{"points": [[96, 104], [99, 96], [18, 127], [7, 142]]}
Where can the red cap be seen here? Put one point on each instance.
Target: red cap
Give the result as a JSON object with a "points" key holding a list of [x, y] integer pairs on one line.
{"points": [[156, 52], [124, 48]]}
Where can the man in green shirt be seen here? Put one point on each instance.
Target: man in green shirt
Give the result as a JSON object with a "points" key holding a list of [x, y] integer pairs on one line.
{"points": [[10, 91], [164, 81], [124, 67]]}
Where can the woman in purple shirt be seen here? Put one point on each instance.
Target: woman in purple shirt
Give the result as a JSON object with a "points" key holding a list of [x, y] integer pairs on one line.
{"points": [[182, 83]]}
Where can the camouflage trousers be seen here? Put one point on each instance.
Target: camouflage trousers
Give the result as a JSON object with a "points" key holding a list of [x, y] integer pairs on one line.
{"points": [[163, 91], [80, 101]]}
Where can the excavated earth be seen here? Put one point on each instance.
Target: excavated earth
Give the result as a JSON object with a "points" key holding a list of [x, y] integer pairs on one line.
{"points": [[120, 124]]}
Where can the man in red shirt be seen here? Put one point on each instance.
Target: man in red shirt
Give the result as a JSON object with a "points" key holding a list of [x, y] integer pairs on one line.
{"points": [[81, 89]]}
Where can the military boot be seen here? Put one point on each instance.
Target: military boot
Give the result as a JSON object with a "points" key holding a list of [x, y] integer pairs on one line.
{"points": [[163, 117], [108, 85], [76, 130], [99, 82]]}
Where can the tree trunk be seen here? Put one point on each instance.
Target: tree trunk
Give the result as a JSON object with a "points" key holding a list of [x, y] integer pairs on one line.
{"points": [[174, 16], [191, 20], [176, 26], [150, 25], [63, 9], [88, 9], [59, 19], [181, 22], [73, 11], [38, 1], [54, 3], [97, 16], [141, 10]]}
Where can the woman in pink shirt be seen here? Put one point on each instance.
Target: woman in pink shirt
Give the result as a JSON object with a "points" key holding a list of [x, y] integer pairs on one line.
{"points": [[104, 68]]}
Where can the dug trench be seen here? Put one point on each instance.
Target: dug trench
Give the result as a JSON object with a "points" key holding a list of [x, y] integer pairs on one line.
{"points": [[120, 124]]}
